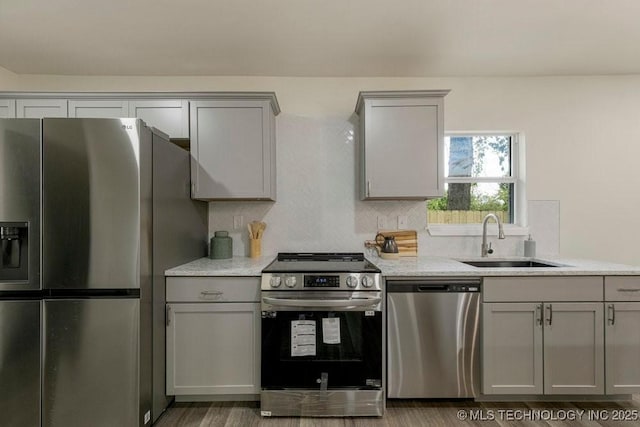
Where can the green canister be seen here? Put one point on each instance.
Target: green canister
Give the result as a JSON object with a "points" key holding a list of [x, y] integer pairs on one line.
{"points": [[221, 246]]}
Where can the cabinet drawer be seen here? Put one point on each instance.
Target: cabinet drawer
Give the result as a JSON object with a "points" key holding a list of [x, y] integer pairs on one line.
{"points": [[213, 289], [561, 288], [622, 288]]}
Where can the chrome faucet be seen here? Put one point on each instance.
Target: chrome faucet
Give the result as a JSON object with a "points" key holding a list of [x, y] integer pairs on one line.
{"points": [[486, 248]]}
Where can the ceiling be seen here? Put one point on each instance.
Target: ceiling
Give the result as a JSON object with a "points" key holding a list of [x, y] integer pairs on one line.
{"points": [[320, 38]]}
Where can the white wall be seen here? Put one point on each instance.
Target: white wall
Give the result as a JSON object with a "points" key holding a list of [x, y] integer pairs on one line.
{"points": [[582, 148]]}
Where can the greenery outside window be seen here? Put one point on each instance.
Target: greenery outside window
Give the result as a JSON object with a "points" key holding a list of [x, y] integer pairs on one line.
{"points": [[481, 177]]}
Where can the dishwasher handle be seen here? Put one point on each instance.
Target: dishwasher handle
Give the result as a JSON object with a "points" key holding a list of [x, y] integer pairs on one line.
{"points": [[433, 288], [440, 286]]}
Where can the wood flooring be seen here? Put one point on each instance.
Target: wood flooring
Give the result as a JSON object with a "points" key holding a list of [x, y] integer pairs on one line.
{"points": [[405, 413]]}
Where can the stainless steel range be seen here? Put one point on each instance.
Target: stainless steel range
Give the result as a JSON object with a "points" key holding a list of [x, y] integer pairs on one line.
{"points": [[322, 336]]}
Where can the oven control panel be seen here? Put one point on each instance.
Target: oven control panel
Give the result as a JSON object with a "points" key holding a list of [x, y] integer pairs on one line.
{"points": [[321, 281]]}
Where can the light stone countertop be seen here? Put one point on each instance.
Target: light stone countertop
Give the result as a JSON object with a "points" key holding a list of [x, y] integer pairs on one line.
{"points": [[437, 266], [236, 266], [420, 266]]}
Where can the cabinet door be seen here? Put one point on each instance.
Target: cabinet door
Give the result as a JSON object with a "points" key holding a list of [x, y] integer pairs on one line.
{"points": [[40, 108], [622, 346], [7, 108], [403, 146], [573, 348], [206, 356], [512, 348], [232, 149], [99, 109], [171, 116]]}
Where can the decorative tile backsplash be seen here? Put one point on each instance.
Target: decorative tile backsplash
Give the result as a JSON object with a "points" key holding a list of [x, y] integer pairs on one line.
{"points": [[318, 206]]}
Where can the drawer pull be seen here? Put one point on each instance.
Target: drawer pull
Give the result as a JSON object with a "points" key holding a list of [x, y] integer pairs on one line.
{"points": [[628, 289], [211, 294]]}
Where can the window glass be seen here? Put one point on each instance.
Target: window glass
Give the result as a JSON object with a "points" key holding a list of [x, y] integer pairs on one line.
{"points": [[479, 179], [477, 156]]}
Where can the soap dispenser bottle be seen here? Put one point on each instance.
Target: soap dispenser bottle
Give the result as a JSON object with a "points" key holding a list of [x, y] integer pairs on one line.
{"points": [[530, 247]]}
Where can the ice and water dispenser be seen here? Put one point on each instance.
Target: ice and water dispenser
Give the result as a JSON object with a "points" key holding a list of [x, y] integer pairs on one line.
{"points": [[20, 204], [14, 237]]}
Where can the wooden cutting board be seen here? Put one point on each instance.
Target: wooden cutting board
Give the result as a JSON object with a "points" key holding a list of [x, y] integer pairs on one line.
{"points": [[407, 241]]}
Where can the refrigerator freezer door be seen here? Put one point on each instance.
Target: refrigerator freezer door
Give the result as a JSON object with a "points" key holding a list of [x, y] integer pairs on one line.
{"points": [[91, 363], [174, 243], [92, 203], [20, 204], [20, 363]]}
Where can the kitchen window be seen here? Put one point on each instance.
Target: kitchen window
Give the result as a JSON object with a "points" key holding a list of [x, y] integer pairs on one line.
{"points": [[481, 177]]}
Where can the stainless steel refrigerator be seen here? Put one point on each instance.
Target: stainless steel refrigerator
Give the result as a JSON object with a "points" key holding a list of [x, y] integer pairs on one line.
{"points": [[92, 213]]}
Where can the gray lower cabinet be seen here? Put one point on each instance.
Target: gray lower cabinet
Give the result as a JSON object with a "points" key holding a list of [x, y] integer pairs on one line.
{"points": [[233, 149], [543, 335], [401, 144], [536, 348], [213, 336], [512, 348], [7, 108], [622, 334], [573, 348]]}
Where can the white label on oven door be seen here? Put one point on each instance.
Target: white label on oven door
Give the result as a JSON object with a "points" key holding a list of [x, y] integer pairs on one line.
{"points": [[331, 330], [303, 338], [370, 313]]}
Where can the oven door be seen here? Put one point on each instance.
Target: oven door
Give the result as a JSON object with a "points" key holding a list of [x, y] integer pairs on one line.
{"points": [[321, 340]]}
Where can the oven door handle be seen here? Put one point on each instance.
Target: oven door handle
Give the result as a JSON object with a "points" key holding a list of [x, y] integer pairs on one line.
{"points": [[325, 303]]}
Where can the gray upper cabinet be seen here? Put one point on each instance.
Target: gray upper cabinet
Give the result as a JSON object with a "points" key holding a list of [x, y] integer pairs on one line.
{"points": [[171, 116], [40, 108], [7, 108], [101, 109], [401, 144], [233, 148]]}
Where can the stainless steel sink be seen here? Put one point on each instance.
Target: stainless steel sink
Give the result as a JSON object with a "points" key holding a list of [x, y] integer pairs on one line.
{"points": [[494, 263]]}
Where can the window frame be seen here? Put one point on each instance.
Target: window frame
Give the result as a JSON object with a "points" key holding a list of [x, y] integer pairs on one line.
{"points": [[517, 178]]}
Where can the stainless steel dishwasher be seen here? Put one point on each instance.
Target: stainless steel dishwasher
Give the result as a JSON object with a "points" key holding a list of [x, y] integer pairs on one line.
{"points": [[433, 337]]}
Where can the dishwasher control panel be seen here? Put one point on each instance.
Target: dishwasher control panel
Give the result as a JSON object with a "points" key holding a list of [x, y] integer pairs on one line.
{"points": [[463, 288]]}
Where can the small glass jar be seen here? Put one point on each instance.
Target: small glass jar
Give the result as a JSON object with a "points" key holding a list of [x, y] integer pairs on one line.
{"points": [[221, 245]]}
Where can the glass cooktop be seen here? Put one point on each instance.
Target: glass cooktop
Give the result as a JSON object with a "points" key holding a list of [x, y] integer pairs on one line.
{"points": [[336, 262]]}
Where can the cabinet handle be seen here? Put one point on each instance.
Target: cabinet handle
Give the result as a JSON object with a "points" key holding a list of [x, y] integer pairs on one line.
{"points": [[628, 289], [612, 314], [550, 319], [539, 314], [215, 294], [168, 315], [368, 188]]}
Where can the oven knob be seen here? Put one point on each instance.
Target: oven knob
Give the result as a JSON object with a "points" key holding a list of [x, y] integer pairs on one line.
{"points": [[275, 282], [367, 281], [352, 281], [290, 282]]}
